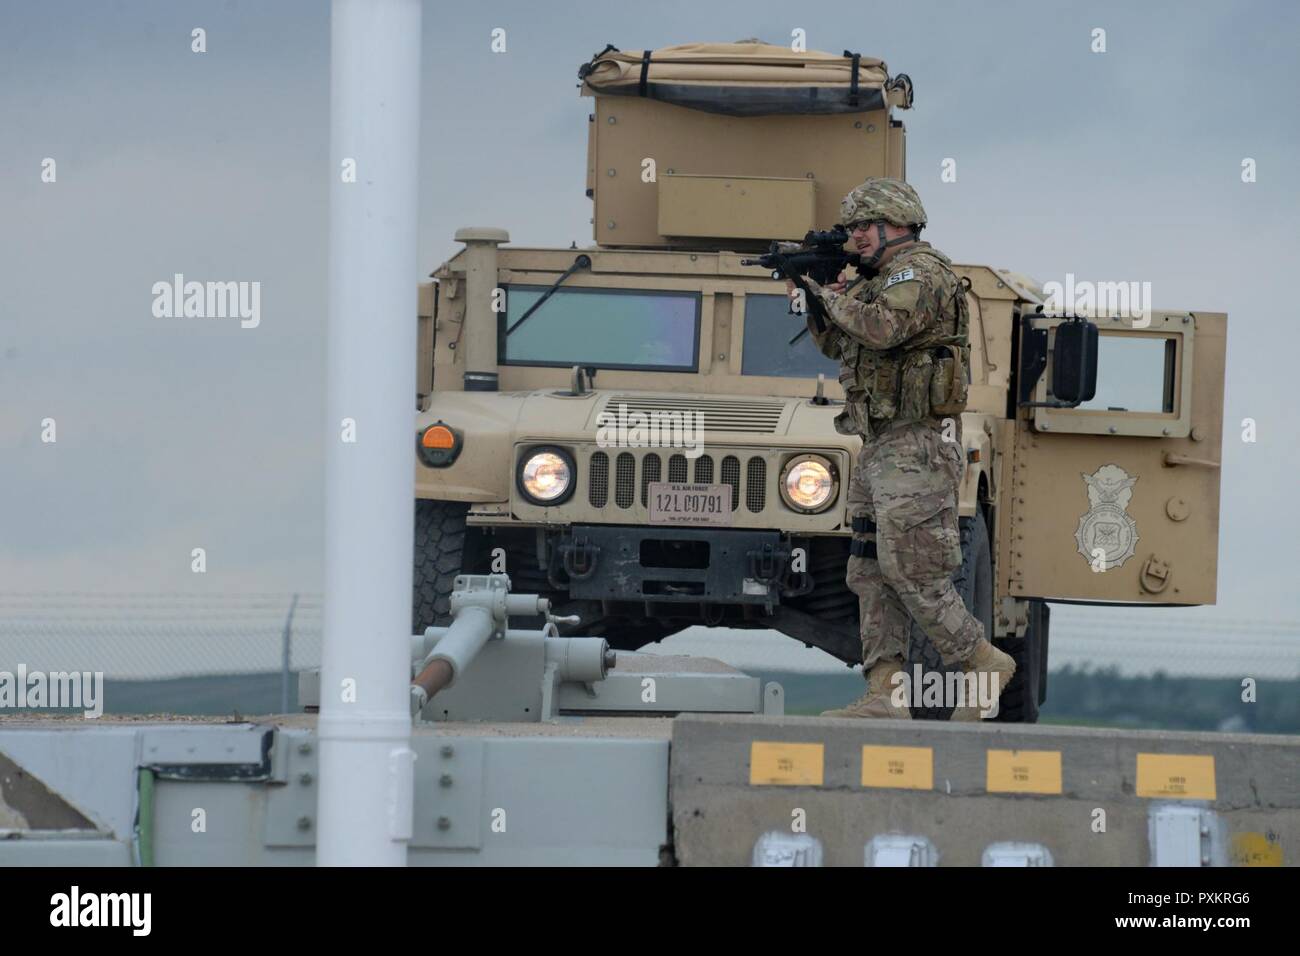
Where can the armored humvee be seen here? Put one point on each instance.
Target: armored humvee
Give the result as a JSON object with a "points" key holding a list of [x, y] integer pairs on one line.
{"points": [[627, 430]]}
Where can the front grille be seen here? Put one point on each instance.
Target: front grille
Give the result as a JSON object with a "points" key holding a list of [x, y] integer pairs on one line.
{"points": [[731, 476], [635, 472], [755, 485], [624, 480], [650, 466], [677, 469], [598, 490]]}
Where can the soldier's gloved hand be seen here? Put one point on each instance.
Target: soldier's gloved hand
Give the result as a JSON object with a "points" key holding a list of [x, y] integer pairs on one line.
{"points": [[839, 284], [817, 288]]}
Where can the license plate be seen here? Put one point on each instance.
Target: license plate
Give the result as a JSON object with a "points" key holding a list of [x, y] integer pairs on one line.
{"points": [[676, 503]]}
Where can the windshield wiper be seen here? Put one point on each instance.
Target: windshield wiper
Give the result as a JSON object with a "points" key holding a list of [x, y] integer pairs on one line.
{"points": [[582, 262]]}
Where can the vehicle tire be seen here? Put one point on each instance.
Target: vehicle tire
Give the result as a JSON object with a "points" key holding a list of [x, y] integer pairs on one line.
{"points": [[1028, 686], [974, 583], [439, 554]]}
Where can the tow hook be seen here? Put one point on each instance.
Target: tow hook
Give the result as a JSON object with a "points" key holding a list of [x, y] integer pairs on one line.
{"points": [[767, 564], [579, 558]]}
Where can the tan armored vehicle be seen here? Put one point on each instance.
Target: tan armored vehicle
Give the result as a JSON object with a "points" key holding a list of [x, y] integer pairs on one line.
{"points": [[627, 429]]}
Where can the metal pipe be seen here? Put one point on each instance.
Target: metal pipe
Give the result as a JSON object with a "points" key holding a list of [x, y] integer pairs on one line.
{"points": [[523, 605], [366, 774], [463, 640], [422, 644], [581, 659], [453, 651], [436, 675]]}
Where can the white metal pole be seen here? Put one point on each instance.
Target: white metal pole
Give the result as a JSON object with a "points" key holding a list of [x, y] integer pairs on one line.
{"points": [[366, 794]]}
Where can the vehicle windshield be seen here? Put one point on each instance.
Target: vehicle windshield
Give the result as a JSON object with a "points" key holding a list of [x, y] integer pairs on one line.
{"points": [[769, 327], [605, 328]]}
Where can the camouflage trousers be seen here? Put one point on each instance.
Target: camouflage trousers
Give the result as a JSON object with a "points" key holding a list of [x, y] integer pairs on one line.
{"points": [[903, 497]]}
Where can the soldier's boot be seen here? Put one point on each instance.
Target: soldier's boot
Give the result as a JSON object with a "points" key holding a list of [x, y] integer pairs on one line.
{"points": [[985, 659], [878, 700]]}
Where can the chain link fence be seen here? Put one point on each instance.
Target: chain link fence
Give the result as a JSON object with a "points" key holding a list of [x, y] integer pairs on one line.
{"points": [[218, 653], [160, 636], [1132, 642]]}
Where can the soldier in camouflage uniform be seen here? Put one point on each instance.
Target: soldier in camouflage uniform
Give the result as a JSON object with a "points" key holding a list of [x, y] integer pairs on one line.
{"points": [[900, 332]]}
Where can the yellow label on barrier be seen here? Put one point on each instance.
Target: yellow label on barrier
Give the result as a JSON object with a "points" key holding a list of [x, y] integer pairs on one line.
{"points": [[1024, 771], [906, 768], [789, 765], [1255, 849], [1189, 776]]}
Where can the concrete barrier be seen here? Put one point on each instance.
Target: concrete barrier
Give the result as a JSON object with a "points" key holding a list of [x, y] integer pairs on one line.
{"points": [[1088, 797]]}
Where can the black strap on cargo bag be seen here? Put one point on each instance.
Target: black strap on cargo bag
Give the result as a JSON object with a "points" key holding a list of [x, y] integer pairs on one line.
{"points": [[590, 65], [853, 79]]}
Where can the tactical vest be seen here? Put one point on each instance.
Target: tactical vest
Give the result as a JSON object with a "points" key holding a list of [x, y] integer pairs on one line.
{"points": [[924, 378]]}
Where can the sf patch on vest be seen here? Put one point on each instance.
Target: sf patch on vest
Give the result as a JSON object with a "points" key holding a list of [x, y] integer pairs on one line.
{"points": [[897, 277]]}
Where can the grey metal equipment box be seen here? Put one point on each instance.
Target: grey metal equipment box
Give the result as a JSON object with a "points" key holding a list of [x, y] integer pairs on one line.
{"points": [[1186, 836]]}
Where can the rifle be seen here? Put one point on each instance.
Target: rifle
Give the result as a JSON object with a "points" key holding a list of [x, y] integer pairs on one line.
{"points": [[821, 256]]}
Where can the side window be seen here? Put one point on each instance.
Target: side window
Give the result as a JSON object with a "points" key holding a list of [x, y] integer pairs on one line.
{"points": [[1134, 374], [1144, 382], [769, 326]]}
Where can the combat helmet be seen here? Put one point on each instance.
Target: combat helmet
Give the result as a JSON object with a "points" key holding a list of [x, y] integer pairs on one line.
{"points": [[882, 200]]}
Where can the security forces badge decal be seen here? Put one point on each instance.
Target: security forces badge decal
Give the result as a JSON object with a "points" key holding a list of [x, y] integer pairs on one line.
{"points": [[1107, 535]]}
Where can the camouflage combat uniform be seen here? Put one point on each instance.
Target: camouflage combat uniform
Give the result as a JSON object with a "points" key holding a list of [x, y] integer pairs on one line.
{"points": [[902, 340]]}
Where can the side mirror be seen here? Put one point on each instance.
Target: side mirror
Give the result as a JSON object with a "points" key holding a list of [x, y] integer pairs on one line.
{"points": [[1074, 362]]}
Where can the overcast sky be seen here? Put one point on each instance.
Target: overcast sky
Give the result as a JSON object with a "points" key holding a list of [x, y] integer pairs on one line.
{"points": [[183, 433]]}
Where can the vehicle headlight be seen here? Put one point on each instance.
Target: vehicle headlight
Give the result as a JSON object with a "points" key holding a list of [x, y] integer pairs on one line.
{"points": [[546, 476], [808, 483]]}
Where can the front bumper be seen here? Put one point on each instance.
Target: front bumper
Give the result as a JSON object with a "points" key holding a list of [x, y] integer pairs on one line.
{"points": [[676, 565]]}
